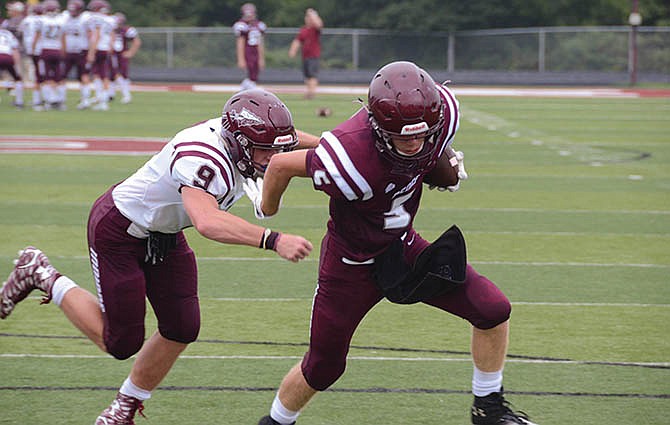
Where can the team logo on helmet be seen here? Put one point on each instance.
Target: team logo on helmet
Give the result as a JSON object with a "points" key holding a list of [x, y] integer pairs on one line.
{"points": [[246, 118]]}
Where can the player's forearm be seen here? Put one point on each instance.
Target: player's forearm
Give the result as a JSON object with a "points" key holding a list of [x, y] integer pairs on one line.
{"points": [[227, 228], [307, 140], [282, 168]]}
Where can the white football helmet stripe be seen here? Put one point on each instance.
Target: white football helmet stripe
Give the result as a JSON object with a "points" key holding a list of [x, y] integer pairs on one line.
{"points": [[349, 166]]}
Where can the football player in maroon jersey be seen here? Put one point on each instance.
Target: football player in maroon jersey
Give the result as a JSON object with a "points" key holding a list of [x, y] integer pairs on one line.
{"points": [[249, 31], [373, 167]]}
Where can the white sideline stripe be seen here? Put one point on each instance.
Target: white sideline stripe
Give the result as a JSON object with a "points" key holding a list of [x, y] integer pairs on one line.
{"points": [[363, 358]]}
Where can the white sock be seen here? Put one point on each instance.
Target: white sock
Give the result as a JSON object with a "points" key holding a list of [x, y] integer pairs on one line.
{"points": [[125, 86], [18, 92], [485, 383], [130, 389], [37, 97], [60, 288], [281, 414], [62, 93], [85, 91]]}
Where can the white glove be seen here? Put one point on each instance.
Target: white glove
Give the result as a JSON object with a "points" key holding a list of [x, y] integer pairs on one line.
{"points": [[462, 174], [254, 190]]}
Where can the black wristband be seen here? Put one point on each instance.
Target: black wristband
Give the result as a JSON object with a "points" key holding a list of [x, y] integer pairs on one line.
{"points": [[264, 238], [271, 240]]}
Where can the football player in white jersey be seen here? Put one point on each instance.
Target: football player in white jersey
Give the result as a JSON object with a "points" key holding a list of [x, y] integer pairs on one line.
{"points": [[27, 29], [101, 25], [126, 44], [10, 61], [138, 250], [49, 41], [76, 37]]}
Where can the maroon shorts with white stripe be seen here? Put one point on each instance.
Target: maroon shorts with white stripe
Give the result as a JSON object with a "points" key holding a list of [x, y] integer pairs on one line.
{"points": [[124, 279], [7, 64], [347, 292]]}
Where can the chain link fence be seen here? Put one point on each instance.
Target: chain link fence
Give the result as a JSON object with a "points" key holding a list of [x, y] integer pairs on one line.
{"points": [[546, 55]]}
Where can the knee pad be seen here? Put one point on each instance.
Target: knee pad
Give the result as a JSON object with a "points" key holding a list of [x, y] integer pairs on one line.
{"points": [[185, 333], [125, 344], [321, 372], [493, 314]]}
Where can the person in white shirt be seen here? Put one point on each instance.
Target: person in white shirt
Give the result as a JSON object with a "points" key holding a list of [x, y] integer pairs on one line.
{"points": [[126, 44], [75, 39], [101, 26], [138, 250], [27, 29], [49, 42], [10, 61]]}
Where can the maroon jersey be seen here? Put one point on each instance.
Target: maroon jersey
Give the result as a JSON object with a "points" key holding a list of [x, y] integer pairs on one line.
{"points": [[311, 45], [372, 201], [252, 32]]}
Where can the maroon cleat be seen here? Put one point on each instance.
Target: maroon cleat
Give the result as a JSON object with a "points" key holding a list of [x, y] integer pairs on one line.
{"points": [[121, 411], [32, 270]]}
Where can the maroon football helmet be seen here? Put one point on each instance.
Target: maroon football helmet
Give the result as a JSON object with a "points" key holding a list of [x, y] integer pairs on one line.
{"points": [[256, 119], [37, 9], [403, 100], [120, 19], [75, 7], [101, 6], [51, 6]]}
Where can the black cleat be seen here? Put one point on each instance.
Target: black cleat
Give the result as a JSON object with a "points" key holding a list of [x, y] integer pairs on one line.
{"points": [[493, 409]]}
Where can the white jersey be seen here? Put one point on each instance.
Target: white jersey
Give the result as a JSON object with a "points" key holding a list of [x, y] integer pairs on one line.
{"points": [[76, 32], [28, 28], [50, 28], [195, 157], [7, 42], [106, 25]]}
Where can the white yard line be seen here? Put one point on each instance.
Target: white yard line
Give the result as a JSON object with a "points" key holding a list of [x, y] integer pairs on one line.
{"points": [[464, 359]]}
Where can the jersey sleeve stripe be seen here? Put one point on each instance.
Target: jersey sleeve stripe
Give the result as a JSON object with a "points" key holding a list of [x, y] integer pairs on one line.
{"points": [[342, 184], [454, 116], [203, 155], [223, 169], [220, 157], [348, 165]]}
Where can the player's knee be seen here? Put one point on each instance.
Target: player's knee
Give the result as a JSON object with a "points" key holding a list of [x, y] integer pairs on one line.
{"points": [[125, 345], [185, 333], [321, 373], [493, 313]]}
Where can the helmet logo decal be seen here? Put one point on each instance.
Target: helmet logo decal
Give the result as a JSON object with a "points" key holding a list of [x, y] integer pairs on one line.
{"points": [[284, 140], [410, 129], [246, 118]]}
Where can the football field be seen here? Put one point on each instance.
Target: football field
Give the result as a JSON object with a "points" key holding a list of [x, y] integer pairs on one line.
{"points": [[567, 209]]}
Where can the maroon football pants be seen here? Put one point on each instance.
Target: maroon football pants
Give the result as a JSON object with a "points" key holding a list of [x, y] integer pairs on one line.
{"points": [[124, 280], [346, 292]]}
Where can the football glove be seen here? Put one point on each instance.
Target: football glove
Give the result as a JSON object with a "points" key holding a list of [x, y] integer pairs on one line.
{"points": [[254, 190], [462, 174]]}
